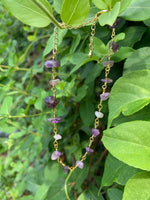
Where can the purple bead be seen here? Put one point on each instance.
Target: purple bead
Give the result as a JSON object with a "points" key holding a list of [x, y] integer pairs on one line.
{"points": [[54, 120], [51, 101], [114, 46], [107, 80], [65, 169], [57, 137], [56, 155], [109, 63], [116, 23], [52, 63], [104, 96], [95, 132], [54, 82], [80, 164], [89, 150]]}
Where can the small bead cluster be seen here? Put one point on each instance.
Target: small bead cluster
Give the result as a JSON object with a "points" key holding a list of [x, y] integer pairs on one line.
{"points": [[52, 102]]}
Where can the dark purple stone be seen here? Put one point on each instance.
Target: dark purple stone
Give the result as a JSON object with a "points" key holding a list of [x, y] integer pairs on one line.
{"points": [[54, 120], [114, 46], [51, 101], [116, 23], [52, 63]]}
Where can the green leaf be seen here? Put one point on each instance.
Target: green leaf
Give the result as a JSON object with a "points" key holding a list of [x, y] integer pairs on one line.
{"points": [[140, 115], [39, 102], [129, 94], [79, 59], [147, 22], [41, 192], [133, 34], [58, 5], [130, 143], [101, 4], [49, 45], [110, 17], [138, 187], [74, 12], [124, 5], [138, 61], [87, 112], [122, 53], [90, 193], [36, 13], [116, 171], [6, 105], [81, 93], [114, 194], [138, 10], [99, 47]]}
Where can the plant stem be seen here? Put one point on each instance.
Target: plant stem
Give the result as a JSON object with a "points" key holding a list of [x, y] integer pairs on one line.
{"points": [[66, 181], [24, 116]]}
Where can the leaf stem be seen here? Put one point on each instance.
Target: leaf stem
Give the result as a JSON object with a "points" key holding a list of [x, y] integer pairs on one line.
{"points": [[50, 15], [66, 181]]}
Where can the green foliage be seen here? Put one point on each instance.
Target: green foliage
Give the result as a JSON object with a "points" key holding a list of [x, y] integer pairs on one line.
{"points": [[129, 142], [26, 145], [139, 182], [34, 13], [74, 12]]}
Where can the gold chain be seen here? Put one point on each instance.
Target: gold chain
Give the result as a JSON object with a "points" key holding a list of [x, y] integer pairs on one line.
{"points": [[104, 86]]}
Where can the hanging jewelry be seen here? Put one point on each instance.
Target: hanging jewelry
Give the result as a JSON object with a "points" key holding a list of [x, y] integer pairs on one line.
{"points": [[52, 102]]}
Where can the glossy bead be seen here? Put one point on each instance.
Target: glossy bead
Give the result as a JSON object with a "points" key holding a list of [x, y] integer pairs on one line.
{"points": [[95, 132], [65, 169], [56, 155], [54, 82], [52, 63], [54, 120], [57, 137], [109, 63], [80, 164], [104, 96], [107, 80], [99, 114], [114, 46], [51, 101], [89, 150]]}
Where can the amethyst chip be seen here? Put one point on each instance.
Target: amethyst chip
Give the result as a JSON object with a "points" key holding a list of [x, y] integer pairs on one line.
{"points": [[54, 120], [107, 80], [116, 23], [104, 96], [51, 101], [95, 132], [52, 63], [55, 155], [109, 63], [65, 169], [80, 164], [114, 46], [54, 82], [89, 150]]}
